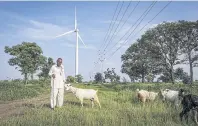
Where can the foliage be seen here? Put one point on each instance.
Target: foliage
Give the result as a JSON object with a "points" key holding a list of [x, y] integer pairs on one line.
{"points": [[138, 63], [110, 74], [79, 78], [98, 78], [159, 49], [188, 35], [27, 57], [164, 46], [46, 68], [70, 79]]}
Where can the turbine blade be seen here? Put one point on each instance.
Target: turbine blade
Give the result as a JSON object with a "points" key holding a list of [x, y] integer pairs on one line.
{"points": [[81, 40], [64, 34]]}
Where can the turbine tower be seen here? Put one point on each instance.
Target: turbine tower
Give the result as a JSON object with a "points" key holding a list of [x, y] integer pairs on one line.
{"points": [[76, 30]]}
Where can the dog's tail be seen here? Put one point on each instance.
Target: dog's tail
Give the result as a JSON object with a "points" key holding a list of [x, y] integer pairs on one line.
{"points": [[137, 90]]}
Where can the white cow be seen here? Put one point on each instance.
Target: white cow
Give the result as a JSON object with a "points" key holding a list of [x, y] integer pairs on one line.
{"points": [[144, 95], [171, 96], [81, 94]]}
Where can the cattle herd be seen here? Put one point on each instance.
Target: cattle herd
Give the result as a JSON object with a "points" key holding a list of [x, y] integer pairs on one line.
{"points": [[189, 102]]}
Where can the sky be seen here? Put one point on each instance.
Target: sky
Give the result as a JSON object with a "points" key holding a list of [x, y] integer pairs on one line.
{"points": [[40, 22]]}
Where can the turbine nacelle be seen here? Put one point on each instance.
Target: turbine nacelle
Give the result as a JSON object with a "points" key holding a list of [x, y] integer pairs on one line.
{"points": [[77, 30]]}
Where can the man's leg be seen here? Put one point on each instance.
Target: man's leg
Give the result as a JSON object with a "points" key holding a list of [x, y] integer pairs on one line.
{"points": [[53, 97], [60, 97]]}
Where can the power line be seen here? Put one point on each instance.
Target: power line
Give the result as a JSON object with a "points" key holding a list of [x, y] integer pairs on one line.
{"points": [[100, 56], [115, 19], [142, 27], [118, 25], [142, 16], [128, 17], [145, 12], [110, 25]]}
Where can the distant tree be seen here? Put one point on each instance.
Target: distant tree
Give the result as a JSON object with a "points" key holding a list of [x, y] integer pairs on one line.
{"points": [[124, 80], [165, 77], [70, 79], [98, 78], [186, 79], [79, 78], [46, 68], [110, 74], [188, 35], [27, 57]]}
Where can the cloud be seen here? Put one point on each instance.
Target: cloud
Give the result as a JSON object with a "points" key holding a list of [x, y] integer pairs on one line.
{"points": [[42, 31]]}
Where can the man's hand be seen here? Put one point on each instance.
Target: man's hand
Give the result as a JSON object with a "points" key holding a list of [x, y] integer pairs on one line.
{"points": [[53, 75]]}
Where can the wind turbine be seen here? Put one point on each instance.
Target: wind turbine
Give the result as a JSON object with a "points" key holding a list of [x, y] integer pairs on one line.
{"points": [[76, 30]]}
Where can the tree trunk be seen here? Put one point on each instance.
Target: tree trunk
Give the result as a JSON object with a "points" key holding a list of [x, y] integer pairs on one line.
{"points": [[32, 76], [172, 75], [191, 68], [25, 77], [143, 78]]}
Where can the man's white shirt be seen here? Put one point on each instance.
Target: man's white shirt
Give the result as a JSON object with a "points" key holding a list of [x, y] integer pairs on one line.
{"points": [[58, 81]]}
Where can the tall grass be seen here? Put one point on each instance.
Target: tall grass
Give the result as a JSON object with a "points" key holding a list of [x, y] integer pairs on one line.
{"points": [[120, 107], [14, 90]]}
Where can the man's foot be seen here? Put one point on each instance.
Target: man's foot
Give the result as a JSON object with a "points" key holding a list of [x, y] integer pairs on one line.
{"points": [[52, 108]]}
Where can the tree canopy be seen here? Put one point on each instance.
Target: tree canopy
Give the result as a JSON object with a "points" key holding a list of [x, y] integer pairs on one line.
{"points": [[159, 49], [27, 57]]}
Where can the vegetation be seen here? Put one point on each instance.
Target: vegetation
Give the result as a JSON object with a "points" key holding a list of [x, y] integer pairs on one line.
{"points": [[70, 79], [160, 49], [14, 90], [79, 78], [27, 57], [98, 78], [111, 75], [46, 68], [119, 107]]}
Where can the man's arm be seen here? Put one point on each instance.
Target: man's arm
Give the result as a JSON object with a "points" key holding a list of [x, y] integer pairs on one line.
{"points": [[64, 79], [51, 71]]}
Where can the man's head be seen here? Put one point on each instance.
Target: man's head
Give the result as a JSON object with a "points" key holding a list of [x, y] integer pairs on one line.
{"points": [[59, 62]]}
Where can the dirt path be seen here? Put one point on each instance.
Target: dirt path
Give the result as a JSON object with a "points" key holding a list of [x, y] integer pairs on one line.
{"points": [[12, 108]]}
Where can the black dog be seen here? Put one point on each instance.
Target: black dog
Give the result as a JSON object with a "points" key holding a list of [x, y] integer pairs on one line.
{"points": [[189, 102]]}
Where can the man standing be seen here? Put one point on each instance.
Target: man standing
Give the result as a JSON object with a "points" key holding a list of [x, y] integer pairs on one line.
{"points": [[57, 75]]}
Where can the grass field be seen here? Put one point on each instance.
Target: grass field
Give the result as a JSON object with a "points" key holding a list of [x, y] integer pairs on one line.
{"points": [[120, 107]]}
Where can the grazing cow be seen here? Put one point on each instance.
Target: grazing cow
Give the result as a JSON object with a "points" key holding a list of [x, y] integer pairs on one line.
{"points": [[81, 94], [189, 102], [172, 96], [144, 95]]}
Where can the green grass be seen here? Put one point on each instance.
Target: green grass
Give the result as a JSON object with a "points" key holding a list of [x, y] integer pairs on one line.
{"points": [[120, 107], [16, 90]]}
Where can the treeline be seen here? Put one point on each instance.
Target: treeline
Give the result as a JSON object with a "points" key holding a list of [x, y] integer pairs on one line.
{"points": [[28, 58], [161, 48]]}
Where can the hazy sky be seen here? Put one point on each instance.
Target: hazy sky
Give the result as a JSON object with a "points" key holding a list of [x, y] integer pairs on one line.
{"points": [[40, 21]]}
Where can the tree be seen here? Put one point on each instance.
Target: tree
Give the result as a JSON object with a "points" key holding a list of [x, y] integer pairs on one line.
{"points": [[79, 78], [98, 78], [70, 79], [110, 74], [137, 62], [188, 35], [46, 68], [27, 57], [164, 44]]}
